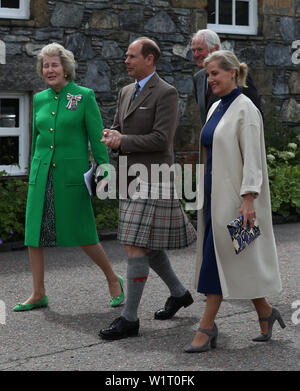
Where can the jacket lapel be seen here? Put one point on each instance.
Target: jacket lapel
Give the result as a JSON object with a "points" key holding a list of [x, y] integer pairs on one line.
{"points": [[146, 91], [201, 94]]}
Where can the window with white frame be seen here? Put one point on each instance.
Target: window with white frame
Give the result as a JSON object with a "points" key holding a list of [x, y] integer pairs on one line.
{"points": [[232, 16], [14, 9], [14, 133]]}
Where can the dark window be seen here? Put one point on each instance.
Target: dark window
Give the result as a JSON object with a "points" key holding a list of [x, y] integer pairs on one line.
{"points": [[9, 113], [211, 11], [242, 13], [9, 150], [225, 12], [10, 3]]}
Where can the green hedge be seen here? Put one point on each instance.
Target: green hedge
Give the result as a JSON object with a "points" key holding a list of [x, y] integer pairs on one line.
{"points": [[284, 176], [13, 194]]}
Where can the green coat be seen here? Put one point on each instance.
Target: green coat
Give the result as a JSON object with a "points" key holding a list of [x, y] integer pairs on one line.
{"points": [[60, 139]]}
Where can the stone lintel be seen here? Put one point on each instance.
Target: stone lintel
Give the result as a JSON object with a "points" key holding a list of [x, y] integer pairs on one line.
{"points": [[189, 3]]}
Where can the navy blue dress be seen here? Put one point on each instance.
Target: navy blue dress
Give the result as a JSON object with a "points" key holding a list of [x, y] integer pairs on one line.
{"points": [[209, 282]]}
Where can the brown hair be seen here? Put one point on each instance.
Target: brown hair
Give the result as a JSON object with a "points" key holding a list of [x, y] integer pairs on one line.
{"points": [[149, 47]]}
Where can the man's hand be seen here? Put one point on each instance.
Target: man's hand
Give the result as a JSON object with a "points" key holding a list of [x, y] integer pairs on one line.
{"points": [[111, 138]]}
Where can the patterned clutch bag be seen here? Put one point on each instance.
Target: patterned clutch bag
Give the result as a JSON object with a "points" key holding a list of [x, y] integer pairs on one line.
{"points": [[241, 237]]}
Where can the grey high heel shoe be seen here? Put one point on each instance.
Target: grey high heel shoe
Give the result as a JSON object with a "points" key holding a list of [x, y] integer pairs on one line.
{"points": [[212, 340], [275, 315]]}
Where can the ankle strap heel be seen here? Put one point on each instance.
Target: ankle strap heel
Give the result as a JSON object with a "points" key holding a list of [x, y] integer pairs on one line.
{"points": [[275, 315], [281, 322], [212, 340]]}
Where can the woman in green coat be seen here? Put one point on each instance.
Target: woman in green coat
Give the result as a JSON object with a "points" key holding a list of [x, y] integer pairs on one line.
{"points": [[59, 211]]}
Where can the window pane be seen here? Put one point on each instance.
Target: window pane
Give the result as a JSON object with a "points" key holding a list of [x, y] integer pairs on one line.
{"points": [[242, 13], [211, 11], [9, 151], [225, 12], [9, 113], [10, 3]]}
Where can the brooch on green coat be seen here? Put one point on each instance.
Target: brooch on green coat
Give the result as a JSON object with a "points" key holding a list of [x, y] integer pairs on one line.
{"points": [[73, 100]]}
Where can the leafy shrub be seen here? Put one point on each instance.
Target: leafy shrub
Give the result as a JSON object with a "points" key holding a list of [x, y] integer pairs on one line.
{"points": [[106, 213], [13, 195], [284, 178], [278, 136], [284, 174]]}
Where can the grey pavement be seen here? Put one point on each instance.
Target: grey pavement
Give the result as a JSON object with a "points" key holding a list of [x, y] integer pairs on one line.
{"points": [[64, 336]]}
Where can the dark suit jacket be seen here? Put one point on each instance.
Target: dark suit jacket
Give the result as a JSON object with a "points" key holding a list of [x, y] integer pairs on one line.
{"points": [[199, 80], [148, 124]]}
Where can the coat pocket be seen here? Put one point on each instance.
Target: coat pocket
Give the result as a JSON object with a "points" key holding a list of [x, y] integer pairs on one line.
{"points": [[34, 169], [74, 170]]}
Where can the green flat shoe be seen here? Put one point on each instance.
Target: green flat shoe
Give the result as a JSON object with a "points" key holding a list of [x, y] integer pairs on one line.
{"points": [[117, 300], [32, 306]]}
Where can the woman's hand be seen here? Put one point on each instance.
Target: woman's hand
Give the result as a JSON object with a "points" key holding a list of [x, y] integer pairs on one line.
{"points": [[247, 210]]}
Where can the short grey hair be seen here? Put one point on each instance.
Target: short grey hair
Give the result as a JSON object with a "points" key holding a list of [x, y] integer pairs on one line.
{"points": [[210, 37], [66, 57]]}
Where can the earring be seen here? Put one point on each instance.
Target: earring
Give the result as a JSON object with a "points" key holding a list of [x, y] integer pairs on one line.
{"points": [[66, 76]]}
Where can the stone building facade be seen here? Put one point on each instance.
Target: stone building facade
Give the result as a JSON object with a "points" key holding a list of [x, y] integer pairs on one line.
{"points": [[99, 31]]}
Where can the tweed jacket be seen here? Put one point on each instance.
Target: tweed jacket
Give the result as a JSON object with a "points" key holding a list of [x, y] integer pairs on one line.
{"points": [[148, 124], [239, 167], [60, 139], [200, 87]]}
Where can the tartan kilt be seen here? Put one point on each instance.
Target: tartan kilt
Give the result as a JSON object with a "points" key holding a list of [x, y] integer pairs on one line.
{"points": [[154, 224]]}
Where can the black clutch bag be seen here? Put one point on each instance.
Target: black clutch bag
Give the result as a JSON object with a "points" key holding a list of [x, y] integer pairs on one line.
{"points": [[240, 236]]}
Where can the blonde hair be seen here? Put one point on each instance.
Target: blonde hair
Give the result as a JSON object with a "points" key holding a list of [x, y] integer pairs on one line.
{"points": [[227, 61], [66, 57]]}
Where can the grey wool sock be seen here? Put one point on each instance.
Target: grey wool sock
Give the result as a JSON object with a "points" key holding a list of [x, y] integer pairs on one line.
{"points": [[137, 275], [159, 262]]}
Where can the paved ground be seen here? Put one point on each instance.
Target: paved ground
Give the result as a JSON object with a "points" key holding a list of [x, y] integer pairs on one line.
{"points": [[64, 336]]}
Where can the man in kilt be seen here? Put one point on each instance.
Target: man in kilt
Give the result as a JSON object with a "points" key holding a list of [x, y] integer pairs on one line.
{"points": [[151, 219]]}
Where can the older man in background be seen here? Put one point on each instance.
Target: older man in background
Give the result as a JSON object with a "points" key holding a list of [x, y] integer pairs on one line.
{"points": [[203, 43]]}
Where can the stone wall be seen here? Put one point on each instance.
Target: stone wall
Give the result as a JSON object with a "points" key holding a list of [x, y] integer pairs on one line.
{"points": [[275, 74], [99, 31]]}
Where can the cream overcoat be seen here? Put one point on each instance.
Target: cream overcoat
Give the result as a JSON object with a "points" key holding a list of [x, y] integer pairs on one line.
{"points": [[239, 167]]}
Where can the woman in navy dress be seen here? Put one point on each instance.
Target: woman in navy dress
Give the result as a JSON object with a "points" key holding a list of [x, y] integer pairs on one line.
{"points": [[225, 76], [209, 282]]}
